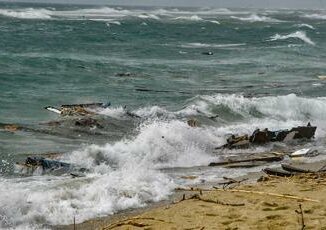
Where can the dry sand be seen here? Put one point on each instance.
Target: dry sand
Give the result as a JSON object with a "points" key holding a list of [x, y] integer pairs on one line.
{"points": [[215, 210]]}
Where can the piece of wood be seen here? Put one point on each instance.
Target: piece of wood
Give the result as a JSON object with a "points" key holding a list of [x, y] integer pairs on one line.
{"points": [[216, 189], [300, 212], [278, 172], [258, 159], [291, 168], [269, 194]]}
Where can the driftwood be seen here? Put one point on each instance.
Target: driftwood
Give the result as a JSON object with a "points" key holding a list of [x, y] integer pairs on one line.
{"points": [[230, 181], [258, 159], [300, 212], [216, 189], [278, 172], [198, 197], [130, 221], [292, 168], [269, 194]]}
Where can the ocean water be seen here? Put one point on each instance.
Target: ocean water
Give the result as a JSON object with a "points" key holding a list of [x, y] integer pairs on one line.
{"points": [[264, 72]]}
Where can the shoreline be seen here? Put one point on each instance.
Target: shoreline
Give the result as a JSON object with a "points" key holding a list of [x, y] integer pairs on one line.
{"points": [[101, 222], [154, 215]]}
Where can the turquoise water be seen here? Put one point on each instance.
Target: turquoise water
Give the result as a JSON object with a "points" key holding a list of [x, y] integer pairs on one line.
{"points": [[263, 72]]}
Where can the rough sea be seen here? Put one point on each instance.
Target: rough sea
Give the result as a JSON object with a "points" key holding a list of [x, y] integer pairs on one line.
{"points": [[266, 71]]}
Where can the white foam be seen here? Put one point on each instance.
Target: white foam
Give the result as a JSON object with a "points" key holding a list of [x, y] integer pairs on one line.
{"points": [[316, 16], [298, 34], [305, 26], [117, 112], [190, 18], [215, 22], [206, 45], [27, 13], [256, 18], [148, 16]]}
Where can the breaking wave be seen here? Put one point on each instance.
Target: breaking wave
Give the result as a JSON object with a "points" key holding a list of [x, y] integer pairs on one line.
{"points": [[298, 34], [205, 45], [149, 16], [27, 13], [256, 18], [125, 174], [190, 18], [305, 26], [316, 16], [113, 13]]}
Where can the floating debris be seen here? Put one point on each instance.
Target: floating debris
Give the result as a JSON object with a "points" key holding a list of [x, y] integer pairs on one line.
{"points": [[78, 109], [41, 165]]}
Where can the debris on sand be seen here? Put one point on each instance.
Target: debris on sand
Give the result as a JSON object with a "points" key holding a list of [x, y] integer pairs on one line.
{"points": [[259, 137]]}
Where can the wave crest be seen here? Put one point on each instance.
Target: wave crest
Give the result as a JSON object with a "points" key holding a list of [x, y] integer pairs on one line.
{"points": [[298, 34], [256, 18], [27, 13]]}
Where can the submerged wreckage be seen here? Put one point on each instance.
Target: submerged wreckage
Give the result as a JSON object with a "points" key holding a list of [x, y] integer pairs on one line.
{"points": [[265, 136], [78, 109], [41, 165]]}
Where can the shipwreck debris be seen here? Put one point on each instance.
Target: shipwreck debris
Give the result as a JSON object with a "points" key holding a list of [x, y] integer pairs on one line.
{"points": [[43, 165], [77, 109], [265, 136]]}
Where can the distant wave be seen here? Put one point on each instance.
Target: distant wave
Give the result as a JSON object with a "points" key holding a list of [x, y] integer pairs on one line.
{"points": [[190, 18], [298, 34], [148, 16], [315, 16], [114, 12], [215, 22], [306, 26], [27, 13], [205, 45], [256, 18]]}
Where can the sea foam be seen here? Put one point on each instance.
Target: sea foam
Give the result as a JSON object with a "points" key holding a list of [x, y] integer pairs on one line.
{"points": [[27, 13], [256, 18], [315, 16]]}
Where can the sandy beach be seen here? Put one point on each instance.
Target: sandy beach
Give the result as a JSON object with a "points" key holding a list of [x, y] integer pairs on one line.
{"points": [[262, 202], [258, 206]]}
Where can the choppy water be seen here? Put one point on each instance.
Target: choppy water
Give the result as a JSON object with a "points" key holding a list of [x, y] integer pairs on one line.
{"points": [[264, 73]]}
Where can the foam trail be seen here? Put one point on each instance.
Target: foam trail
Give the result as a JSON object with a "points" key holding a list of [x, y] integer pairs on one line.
{"points": [[306, 26], [148, 16], [191, 18], [215, 22], [298, 34], [205, 45], [315, 16], [27, 13], [256, 18]]}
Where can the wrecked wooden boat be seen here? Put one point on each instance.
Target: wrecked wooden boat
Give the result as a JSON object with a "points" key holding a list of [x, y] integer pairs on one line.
{"points": [[252, 160], [278, 172], [40, 165], [260, 137], [78, 109]]}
